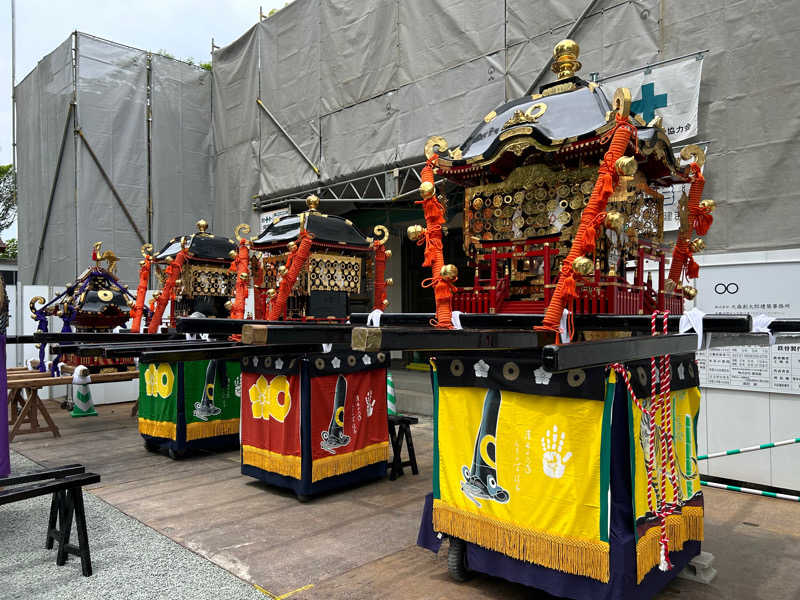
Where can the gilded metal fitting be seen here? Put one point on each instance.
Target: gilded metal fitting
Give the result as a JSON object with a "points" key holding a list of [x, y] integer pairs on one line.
{"points": [[271, 292], [389, 282], [312, 202], [426, 189], [615, 220], [291, 246], [282, 270], [228, 305], [583, 265], [244, 276], [565, 59], [689, 292], [232, 253], [202, 225], [388, 254], [708, 205], [626, 165], [385, 303]]}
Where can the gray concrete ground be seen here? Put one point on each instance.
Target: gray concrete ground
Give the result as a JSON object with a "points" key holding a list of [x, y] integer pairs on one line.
{"points": [[357, 544], [129, 559]]}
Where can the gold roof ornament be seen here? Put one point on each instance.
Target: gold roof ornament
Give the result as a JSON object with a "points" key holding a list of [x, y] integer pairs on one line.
{"points": [[202, 225], [565, 59], [312, 202]]}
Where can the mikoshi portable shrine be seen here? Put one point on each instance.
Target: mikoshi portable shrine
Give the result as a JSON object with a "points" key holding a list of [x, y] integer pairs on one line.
{"points": [[571, 468]]}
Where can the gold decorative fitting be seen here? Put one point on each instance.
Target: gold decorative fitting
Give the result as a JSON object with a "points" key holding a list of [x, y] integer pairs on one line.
{"points": [[334, 272], [385, 303], [169, 259], [697, 245], [626, 165], [146, 250], [455, 154], [427, 190], [488, 118], [689, 292], [241, 228], [105, 295], [271, 293], [202, 226], [312, 202], [282, 270], [449, 272], [657, 122], [291, 246], [583, 265], [244, 276], [232, 253], [434, 145], [414, 232], [622, 102], [565, 59], [531, 115], [389, 282], [615, 220], [381, 234], [694, 151], [228, 305], [708, 205]]}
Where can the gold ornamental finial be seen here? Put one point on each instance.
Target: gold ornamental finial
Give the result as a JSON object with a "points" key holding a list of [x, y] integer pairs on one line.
{"points": [[565, 59], [202, 225], [449, 272], [312, 202]]}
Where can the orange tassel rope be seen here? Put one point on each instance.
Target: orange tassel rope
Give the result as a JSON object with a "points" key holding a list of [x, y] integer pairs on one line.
{"points": [[380, 272], [259, 293], [240, 265], [681, 254], [168, 293], [141, 291], [434, 256], [294, 264], [603, 188]]}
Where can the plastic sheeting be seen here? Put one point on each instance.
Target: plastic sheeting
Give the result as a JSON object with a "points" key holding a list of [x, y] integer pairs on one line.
{"points": [[112, 96], [43, 99]]}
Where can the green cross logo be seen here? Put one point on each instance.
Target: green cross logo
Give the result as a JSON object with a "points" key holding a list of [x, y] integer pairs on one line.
{"points": [[649, 102]]}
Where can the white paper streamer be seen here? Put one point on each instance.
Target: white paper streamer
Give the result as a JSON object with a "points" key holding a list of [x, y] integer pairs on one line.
{"points": [[761, 324], [693, 319], [374, 318], [455, 319], [565, 337]]}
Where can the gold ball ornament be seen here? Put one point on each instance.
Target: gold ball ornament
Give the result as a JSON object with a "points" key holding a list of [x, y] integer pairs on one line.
{"points": [[708, 205], [626, 165], [385, 303], [202, 225], [414, 232], [583, 265], [228, 305], [565, 58], [271, 292], [312, 202], [449, 272], [389, 282], [615, 220], [689, 292], [244, 276], [282, 270], [697, 245], [232, 253], [291, 246], [388, 254], [426, 189]]}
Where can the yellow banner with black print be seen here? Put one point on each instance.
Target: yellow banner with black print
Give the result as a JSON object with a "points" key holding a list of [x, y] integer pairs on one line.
{"points": [[687, 523], [525, 475]]}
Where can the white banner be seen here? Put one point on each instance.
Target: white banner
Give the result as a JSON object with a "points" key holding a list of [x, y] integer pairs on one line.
{"points": [[671, 91]]}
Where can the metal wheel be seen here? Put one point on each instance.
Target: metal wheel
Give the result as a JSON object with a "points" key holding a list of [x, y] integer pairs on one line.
{"points": [[457, 560]]}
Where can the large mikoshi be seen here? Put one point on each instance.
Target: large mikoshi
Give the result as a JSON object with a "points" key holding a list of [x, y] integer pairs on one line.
{"points": [[95, 302], [316, 422], [582, 482], [191, 405], [562, 205], [316, 266]]}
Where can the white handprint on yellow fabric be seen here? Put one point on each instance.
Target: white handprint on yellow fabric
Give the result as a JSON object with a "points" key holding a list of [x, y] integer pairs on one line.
{"points": [[553, 463]]}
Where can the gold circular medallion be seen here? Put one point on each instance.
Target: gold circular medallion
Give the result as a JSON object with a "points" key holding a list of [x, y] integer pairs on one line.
{"points": [[563, 203], [508, 199], [498, 212], [519, 222], [511, 371], [519, 196], [529, 220], [576, 202], [587, 186], [529, 195], [508, 211], [105, 295], [530, 231], [563, 190], [541, 193], [551, 205], [477, 203], [497, 201], [552, 193], [564, 218]]}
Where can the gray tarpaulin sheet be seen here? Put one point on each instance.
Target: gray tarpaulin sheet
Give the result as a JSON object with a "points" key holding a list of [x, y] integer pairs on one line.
{"points": [[43, 99], [182, 148]]}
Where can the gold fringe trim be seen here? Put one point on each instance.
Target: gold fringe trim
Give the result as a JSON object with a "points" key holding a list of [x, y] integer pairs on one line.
{"points": [[272, 461], [338, 465], [680, 528], [162, 429], [562, 553], [198, 431]]}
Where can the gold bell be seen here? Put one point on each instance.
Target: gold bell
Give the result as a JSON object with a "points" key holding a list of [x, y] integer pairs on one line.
{"points": [[228, 305], [271, 292], [449, 272], [291, 246], [689, 292], [697, 245], [388, 254], [708, 205], [282, 269], [414, 232], [583, 265], [389, 282], [232, 253], [386, 303], [426, 189]]}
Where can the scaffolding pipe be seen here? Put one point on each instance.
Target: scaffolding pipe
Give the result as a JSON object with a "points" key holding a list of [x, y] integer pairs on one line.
{"points": [[111, 186], [287, 136], [578, 22], [52, 192]]}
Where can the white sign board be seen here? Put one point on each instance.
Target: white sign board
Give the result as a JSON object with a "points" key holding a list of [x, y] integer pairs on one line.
{"points": [[268, 216]]}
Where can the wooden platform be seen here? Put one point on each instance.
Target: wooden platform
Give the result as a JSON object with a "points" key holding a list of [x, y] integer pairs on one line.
{"points": [[361, 544]]}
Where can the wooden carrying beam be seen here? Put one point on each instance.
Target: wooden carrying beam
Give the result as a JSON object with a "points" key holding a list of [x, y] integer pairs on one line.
{"points": [[299, 333]]}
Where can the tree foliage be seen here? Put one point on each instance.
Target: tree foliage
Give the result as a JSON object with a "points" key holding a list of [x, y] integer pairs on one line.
{"points": [[8, 197], [11, 249]]}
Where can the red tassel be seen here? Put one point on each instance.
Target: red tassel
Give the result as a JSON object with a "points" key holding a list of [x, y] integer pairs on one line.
{"points": [[692, 269], [702, 222], [569, 290]]}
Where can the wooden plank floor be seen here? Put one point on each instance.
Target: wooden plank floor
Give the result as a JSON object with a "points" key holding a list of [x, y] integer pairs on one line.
{"points": [[360, 543]]}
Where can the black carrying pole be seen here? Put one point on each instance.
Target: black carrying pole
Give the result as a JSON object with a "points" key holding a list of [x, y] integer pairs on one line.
{"points": [[232, 353]]}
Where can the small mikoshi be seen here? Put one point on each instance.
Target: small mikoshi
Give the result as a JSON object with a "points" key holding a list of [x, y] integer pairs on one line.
{"points": [[316, 422], [191, 405], [95, 302], [562, 206], [582, 482], [315, 266]]}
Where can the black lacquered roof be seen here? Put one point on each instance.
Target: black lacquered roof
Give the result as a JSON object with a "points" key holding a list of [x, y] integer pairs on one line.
{"points": [[328, 229], [202, 246]]}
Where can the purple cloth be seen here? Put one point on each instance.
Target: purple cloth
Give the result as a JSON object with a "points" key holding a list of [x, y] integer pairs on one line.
{"points": [[5, 462]]}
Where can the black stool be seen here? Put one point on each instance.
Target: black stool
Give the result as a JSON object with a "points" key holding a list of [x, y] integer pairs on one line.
{"points": [[400, 429]]}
